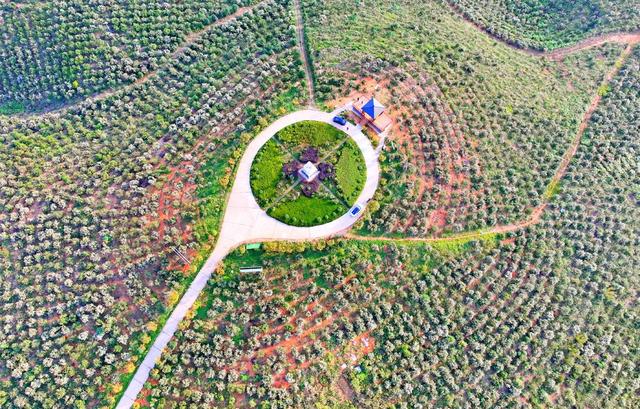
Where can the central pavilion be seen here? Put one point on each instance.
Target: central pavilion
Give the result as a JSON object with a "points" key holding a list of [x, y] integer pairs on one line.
{"points": [[308, 172]]}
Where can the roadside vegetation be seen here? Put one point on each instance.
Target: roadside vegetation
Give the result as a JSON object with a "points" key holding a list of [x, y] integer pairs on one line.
{"points": [[351, 172], [266, 172], [318, 134], [307, 211]]}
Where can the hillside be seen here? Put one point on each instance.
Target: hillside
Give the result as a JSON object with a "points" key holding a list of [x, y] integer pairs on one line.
{"points": [[159, 247]]}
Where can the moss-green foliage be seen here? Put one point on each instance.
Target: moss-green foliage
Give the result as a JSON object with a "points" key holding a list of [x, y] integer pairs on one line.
{"points": [[12, 107], [351, 172], [552, 189], [305, 211], [211, 195], [311, 132], [266, 172], [460, 246]]}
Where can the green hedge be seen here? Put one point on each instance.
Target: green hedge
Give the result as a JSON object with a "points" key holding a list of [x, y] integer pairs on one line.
{"points": [[351, 172], [305, 211], [266, 172]]}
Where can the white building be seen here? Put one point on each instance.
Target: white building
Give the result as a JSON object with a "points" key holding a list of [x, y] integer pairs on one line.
{"points": [[308, 172]]}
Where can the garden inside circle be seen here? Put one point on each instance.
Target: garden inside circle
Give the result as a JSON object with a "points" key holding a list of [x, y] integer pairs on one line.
{"points": [[309, 173]]}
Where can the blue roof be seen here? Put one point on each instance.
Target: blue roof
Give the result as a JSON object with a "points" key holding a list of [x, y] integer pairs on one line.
{"points": [[373, 108]]}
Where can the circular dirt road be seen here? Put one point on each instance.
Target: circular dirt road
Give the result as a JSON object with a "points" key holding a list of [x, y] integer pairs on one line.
{"points": [[244, 221]]}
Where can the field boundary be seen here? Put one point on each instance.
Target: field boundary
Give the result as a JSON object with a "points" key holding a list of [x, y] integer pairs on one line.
{"points": [[189, 39], [619, 37]]}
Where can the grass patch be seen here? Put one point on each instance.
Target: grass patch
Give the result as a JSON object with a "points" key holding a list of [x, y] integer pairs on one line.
{"points": [[305, 211], [212, 185], [350, 172], [310, 132], [266, 172], [242, 258], [460, 246], [552, 189]]}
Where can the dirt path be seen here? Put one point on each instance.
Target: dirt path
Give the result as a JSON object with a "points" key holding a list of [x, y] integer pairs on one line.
{"points": [[559, 53], [538, 211], [189, 39], [618, 38], [303, 53]]}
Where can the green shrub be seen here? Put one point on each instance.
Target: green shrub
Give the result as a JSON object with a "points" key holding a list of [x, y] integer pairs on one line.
{"points": [[12, 107], [310, 132]]}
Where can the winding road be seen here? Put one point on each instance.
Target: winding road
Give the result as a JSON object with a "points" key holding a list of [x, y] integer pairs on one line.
{"points": [[244, 222]]}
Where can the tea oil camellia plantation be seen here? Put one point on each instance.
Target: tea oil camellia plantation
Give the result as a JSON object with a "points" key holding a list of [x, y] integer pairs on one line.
{"points": [[319, 204]]}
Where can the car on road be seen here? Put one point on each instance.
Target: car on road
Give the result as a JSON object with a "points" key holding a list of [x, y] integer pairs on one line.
{"points": [[355, 210], [339, 120]]}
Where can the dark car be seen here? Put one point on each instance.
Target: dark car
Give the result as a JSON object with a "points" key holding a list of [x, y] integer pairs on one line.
{"points": [[339, 120]]}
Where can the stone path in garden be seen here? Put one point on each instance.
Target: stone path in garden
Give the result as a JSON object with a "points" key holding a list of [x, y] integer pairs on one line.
{"points": [[244, 222]]}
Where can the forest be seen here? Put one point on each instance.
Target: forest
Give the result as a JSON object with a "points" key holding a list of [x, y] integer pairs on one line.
{"points": [[56, 51], [545, 25], [496, 267]]}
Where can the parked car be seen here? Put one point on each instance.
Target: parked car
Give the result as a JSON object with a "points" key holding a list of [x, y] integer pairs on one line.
{"points": [[339, 120], [355, 210]]}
